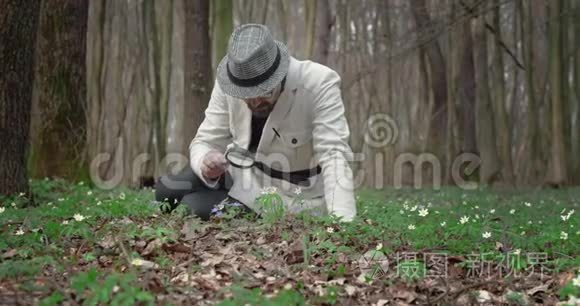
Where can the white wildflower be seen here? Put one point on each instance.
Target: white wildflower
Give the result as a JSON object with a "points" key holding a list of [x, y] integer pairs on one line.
{"points": [[13, 204], [401, 212], [476, 207], [476, 216], [464, 219], [122, 196], [492, 211], [523, 233], [298, 191], [90, 193], [330, 230], [413, 208], [406, 207], [486, 235], [2, 209], [21, 194], [65, 222], [563, 235], [423, 212], [49, 203], [567, 216], [379, 247], [61, 199], [19, 232], [411, 227], [269, 190], [576, 281], [517, 252], [99, 203], [137, 262], [443, 223], [79, 217], [528, 204], [513, 211]]}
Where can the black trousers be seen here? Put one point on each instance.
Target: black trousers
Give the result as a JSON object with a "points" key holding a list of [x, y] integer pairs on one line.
{"points": [[185, 187]]}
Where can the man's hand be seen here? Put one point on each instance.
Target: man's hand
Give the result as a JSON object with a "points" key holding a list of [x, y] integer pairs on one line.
{"points": [[213, 165]]}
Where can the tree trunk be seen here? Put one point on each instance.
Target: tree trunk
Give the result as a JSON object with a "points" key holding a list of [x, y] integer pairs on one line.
{"points": [[451, 148], [281, 15], [486, 135], [576, 131], [557, 171], [466, 91], [223, 24], [310, 15], [324, 25], [58, 126], [18, 26], [438, 77], [532, 135], [124, 85], [503, 130], [197, 66]]}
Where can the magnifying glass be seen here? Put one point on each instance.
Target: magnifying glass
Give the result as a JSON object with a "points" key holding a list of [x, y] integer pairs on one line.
{"points": [[240, 158]]}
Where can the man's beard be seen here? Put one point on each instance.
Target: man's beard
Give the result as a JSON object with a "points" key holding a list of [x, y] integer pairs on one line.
{"points": [[263, 112]]}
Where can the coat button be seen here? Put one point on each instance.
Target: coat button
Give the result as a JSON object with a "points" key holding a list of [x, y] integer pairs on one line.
{"points": [[294, 140]]}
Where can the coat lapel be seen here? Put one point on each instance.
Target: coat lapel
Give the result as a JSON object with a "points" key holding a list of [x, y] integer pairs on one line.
{"points": [[281, 109]]}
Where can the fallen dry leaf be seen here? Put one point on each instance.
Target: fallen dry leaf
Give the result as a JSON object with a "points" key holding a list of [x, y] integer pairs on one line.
{"points": [[11, 253], [212, 260], [483, 296], [152, 246], [540, 288], [145, 264], [108, 242], [404, 293], [382, 302], [350, 290]]}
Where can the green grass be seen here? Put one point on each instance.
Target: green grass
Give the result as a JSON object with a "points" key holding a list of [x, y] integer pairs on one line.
{"points": [[65, 232]]}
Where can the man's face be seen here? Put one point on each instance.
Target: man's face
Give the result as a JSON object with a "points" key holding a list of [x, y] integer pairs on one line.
{"points": [[262, 106]]}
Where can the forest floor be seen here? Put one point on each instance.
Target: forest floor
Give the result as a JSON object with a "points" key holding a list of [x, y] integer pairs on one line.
{"points": [[406, 247]]}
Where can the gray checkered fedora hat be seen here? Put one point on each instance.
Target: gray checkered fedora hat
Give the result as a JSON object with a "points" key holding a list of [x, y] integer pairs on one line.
{"points": [[255, 63]]}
